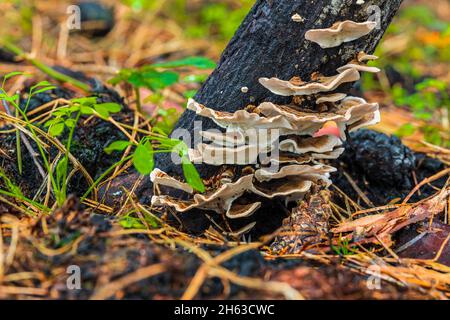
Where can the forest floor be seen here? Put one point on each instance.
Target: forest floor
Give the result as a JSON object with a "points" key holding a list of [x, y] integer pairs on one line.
{"points": [[382, 230]]}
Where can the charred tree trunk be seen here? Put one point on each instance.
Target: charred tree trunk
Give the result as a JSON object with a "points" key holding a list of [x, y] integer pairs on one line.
{"points": [[270, 44]]}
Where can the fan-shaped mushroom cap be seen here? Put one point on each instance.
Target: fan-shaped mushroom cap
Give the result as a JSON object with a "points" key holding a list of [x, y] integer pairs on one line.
{"points": [[339, 33], [234, 137], [237, 211], [230, 139], [334, 97], [215, 154], [353, 112], [241, 118], [334, 154], [301, 145], [285, 158], [325, 84], [305, 123], [243, 230], [218, 155], [291, 181], [359, 67], [364, 57], [219, 200], [362, 114], [293, 189], [314, 173], [159, 177]]}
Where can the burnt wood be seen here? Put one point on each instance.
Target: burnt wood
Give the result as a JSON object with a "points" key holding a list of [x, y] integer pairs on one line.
{"points": [[270, 44]]}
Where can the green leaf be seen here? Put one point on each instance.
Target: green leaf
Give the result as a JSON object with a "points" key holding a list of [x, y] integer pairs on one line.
{"points": [[198, 62], [70, 123], [431, 83], [73, 109], [110, 107], [86, 110], [153, 79], [61, 170], [189, 94], [13, 74], [12, 99], [119, 145], [117, 79], [52, 122], [131, 223], [102, 111], [423, 115], [143, 159], [56, 129], [42, 85], [406, 130], [195, 78], [59, 113], [9, 184], [44, 89], [85, 101], [191, 175]]}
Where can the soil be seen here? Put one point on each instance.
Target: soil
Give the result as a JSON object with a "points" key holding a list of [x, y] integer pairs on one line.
{"points": [[90, 139], [104, 258]]}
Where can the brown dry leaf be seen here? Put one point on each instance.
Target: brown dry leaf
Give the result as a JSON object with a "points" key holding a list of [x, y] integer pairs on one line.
{"points": [[381, 226]]}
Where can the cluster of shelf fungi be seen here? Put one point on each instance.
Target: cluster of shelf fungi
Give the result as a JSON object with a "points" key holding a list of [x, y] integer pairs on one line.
{"points": [[285, 163]]}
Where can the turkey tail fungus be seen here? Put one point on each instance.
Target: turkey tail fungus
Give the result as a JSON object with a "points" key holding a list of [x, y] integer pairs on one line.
{"points": [[296, 78]]}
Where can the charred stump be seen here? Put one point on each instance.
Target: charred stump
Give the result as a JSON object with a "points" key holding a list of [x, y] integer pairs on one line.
{"points": [[270, 43]]}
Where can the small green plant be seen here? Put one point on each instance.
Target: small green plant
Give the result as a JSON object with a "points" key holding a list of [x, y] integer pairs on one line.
{"points": [[158, 76], [63, 119], [66, 118], [344, 248], [143, 156], [9, 185], [14, 101], [12, 190], [431, 96], [130, 222]]}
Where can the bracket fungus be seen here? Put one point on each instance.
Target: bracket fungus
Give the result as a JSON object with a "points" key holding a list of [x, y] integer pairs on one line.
{"points": [[364, 57], [334, 97], [340, 32], [240, 118], [303, 145], [272, 151], [323, 84], [160, 178], [359, 67]]}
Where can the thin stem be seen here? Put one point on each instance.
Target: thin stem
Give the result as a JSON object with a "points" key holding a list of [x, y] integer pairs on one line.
{"points": [[138, 100], [66, 156], [18, 147], [41, 150], [44, 68], [26, 142]]}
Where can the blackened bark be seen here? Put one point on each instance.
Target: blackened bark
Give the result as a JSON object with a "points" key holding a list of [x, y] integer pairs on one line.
{"points": [[270, 44]]}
